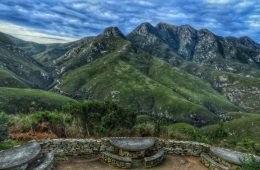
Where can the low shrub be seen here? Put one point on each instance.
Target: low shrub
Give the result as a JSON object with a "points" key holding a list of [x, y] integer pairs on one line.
{"points": [[183, 131], [55, 122], [144, 119], [9, 143], [144, 129]]}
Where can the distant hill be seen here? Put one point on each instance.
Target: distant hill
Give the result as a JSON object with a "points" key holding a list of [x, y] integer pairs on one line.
{"points": [[109, 67], [14, 61]]}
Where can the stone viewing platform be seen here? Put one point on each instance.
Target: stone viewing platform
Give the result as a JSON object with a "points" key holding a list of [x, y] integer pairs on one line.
{"points": [[120, 152]]}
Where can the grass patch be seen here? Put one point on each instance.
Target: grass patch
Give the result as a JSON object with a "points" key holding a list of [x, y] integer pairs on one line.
{"points": [[9, 143], [14, 100]]}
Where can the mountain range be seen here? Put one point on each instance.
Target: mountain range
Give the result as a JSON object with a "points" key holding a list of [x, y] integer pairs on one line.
{"points": [[167, 71]]}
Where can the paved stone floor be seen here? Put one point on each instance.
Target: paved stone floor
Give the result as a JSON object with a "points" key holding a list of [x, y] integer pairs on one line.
{"points": [[170, 163]]}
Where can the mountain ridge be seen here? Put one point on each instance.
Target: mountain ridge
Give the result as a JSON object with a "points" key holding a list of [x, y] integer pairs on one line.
{"points": [[176, 72]]}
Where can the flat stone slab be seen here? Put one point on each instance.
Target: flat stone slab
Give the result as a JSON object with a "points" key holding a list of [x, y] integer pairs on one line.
{"points": [[20, 155], [231, 156], [133, 143]]}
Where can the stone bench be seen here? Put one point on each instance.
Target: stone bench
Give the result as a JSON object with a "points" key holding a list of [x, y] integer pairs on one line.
{"points": [[19, 157], [154, 160], [115, 160], [228, 157], [47, 162]]}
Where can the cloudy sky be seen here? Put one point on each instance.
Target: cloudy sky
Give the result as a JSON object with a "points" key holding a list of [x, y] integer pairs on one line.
{"points": [[48, 21]]}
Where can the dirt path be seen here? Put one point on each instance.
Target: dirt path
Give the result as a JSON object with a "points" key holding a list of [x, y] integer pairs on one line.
{"points": [[170, 163]]}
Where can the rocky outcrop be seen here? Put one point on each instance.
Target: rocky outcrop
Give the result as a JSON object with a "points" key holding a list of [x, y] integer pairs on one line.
{"points": [[112, 32]]}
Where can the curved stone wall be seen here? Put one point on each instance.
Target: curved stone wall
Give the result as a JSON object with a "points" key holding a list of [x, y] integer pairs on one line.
{"points": [[210, 156], [62, 149]]}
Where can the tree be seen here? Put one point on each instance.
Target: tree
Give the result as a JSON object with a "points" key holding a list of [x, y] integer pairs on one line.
{"points": [[101, 117]]}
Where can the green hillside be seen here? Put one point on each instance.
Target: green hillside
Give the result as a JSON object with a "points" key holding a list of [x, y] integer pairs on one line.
{"points": [[243, 91], [14, 100], [8, 79], [133, 78], [15, 60], [241, 132]]}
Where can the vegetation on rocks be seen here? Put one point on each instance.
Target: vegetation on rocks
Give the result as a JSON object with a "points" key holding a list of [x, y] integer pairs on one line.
{"points": [[249, 163]]}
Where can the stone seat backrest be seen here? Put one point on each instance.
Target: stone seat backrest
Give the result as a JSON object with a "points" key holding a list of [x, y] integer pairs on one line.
{"points": [[117, 157], [158, 155]]}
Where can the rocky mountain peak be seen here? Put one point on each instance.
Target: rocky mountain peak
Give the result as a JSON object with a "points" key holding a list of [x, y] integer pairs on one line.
{"points": [[246, 39], [145, 29], [113, 32], [186, 29]]}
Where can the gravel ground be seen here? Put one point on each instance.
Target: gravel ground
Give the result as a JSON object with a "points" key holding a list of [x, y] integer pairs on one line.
{"points": [[170, 163]]}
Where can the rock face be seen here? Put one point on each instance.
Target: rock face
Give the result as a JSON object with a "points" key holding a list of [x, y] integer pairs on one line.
{"points": [[207, 56], [199, 46]]}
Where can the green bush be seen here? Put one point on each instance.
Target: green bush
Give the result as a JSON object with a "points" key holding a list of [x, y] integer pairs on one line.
{"points": [[157, 129], [51, 117], [249, 163], [4, 123], [22, 122], [56, 122], [9, 143], [144, 119], [101, 118], [248, 145], [183, 131], [220, 132], [144, 129]]}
